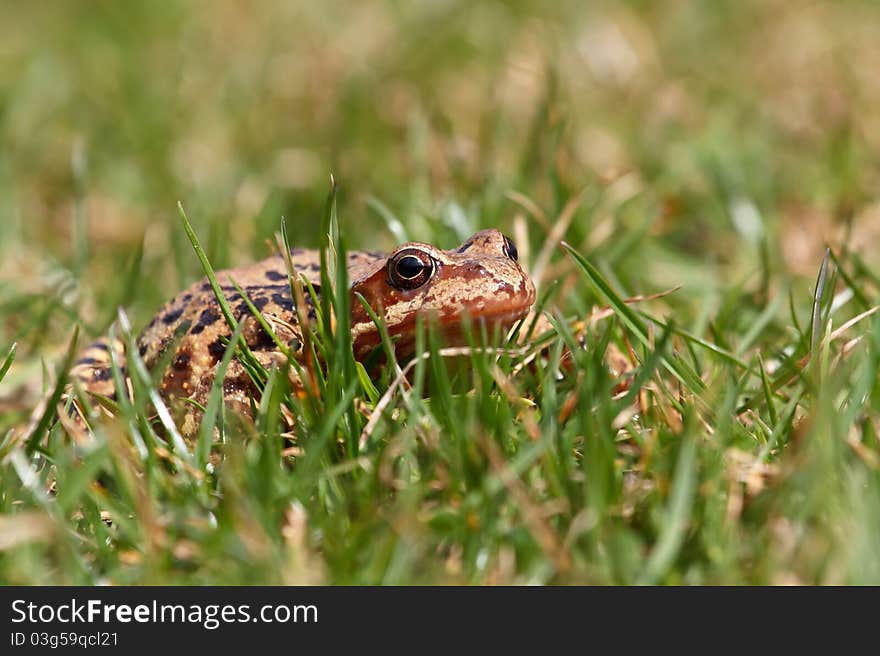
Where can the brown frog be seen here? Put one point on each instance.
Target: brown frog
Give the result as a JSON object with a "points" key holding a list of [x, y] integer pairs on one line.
{"points": [[481, 279]]}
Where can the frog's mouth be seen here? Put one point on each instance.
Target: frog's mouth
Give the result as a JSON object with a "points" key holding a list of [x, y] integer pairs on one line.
{"points": [[453, 332], [502, 320]]}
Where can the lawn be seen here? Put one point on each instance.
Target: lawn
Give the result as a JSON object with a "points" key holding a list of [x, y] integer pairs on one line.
{"points": [[693, 188]]}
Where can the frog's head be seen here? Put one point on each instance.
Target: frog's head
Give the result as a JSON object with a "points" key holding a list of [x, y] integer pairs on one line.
{"points": [[481, 279]]}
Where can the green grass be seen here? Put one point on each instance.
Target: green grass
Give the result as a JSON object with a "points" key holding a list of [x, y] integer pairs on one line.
{"points": [[723, 432]]}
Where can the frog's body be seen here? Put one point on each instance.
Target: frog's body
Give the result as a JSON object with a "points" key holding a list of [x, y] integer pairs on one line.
{"points": [[480, 279]]}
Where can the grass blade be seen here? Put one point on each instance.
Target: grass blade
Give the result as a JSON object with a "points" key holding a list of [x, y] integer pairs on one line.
{"points": [[677, 514], [632, 320], [33, 440], [7, 361]]}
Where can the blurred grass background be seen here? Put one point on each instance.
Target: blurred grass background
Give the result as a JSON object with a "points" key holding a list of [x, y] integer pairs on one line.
{"points": [[714, 145], [741, 119]]}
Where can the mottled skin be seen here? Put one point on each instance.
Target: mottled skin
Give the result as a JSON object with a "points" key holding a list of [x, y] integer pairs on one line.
{"points": [[481, 279]]}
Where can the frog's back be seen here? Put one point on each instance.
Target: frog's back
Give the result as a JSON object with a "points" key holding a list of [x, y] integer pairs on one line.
{"points": [[191, 332]]}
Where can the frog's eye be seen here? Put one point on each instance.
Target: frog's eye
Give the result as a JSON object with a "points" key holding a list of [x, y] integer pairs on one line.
{"points": [[410, 268], [510, 250]]}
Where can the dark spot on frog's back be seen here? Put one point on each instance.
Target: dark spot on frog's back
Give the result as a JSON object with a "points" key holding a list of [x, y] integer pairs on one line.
{"points": [[260, 340], [208, 316], [232, 298], [284, 301], [172, 315], [181, 361], [242, 310], [275, 276], [216, 349]]}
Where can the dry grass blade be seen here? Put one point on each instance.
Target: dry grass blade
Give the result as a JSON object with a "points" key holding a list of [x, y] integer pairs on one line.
{"points": [[554, 237]]}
